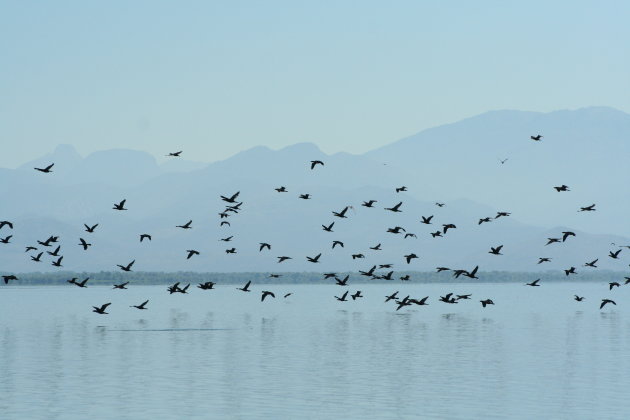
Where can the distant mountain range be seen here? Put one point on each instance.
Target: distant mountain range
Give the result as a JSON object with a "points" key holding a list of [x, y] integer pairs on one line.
{"points": [[458, 164]]}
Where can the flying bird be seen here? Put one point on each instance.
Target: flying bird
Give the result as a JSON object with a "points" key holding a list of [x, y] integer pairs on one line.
{"points": [[84, 244], [369, 203], [231, 199], [592, 263], [281, 259], [315, 163], [614, 255], [90, 229], [426, 220], [186, 226], [401, 189], [578, 298], [145, 236], [121, 285], [536, 138], [45, 170], [57, 263], [191, 252], [543, 259], [588, 208], [562, 188], [342, 298], [141, 306], [534, 283], [264, 245], [6, 240], [281, 189], [329, 227], [335, 243], [342, 213], [4, 223], [305, 196], [565, 235], [410, 257], [126, 267], [266, 293], [101, 309], [495, 250], [8, 278], [120, 206], [175, 154], [395, 209], [314, 259], [486, 302], [605, 301], [246, 287]]}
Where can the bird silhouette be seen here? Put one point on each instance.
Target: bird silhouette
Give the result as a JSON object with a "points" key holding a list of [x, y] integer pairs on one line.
{"points": [[266, 293], [495, 250], [264, 245], [4, 223], [536, 138], [315, 163], [391, 297], [448, 226], [231, 199], [329, 227], [246, 287], [565, 235], [186, 225], [395, 209], [38, 257], [486, 302], [101, 309], [440, 204], [141, 306], [502, 214], [578, 298], [410, 235], [84, 244], [592, 263], [145, 236], [552, 241], [401, 189], [46, 170], [90, 229], [57, 263], [440, 269], [543, 259], [191, 252], [426, 220], [356, 295], [369, 203], [484, 220], [283, 258], [570, 271], [175, 154], [206, 285], [281, 189], [605, 301], [534, 283], [410, 257], [6, 240], [613, 284], [562, 188], [335, 243], [342, 213], [342, 282], [121, 285], [305, 196], [8, 278], [54, 253], [396, 230], [286, 295], [314, 259], [355, 256], [126, 267], [342, 298], [120, 206], [228, 239], [436, 234], [503, 160], [230, 251], [377, 247], [464, 297], [588, 208], [614, 255]]}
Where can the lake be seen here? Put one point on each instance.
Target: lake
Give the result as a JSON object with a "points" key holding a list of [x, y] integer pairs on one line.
{"points": [[224, 354]]}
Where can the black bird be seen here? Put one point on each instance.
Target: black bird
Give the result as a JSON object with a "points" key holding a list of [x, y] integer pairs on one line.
{"points": [[503, 160], [264, 245], [342, 282], [552, 241], [329, 227], [316, 162], [404, 302], [436, 234], [305, 196], [578, 298], [9, 277], [368, 273], [121, 285], [175, 154], [565, 235], [90, 229], [342, 213], [385, 265], [173, 288], [228, 239], [377, 247], [231, 199], [447, 298], [396, 208], [536, 138], [627, 280], [314, 259], [391, 297], [570, 271], [58, 262], [356, 295], [141, 306], [448, 226], [440, 204], [472, 274], [120, 206], [440, 269], [355, 256], [410, 235], [206, 286], [615, 254], [369, 203], [4, 223], [225, 223], [387, 276], [185, 226], [486, 302], [246, 287], [484, 220], [54, 253], [534, 283], [592, 263], [191, 252], [230, 251], [396, 230], [613, 284], [81, 283], [266, 293], [342, 298], [543, 259], [38, 257], [502, 214], [495, 250], [101, 309], [280, 259], [275, 276], [335, 243], [423, 301], [281, 189], [406, 277], [605, 301], [84, 244], [426, 220], [145, 236], [6, 240], [463, 296], [410, 257], [183, 289], [45, 170], [126, 267], [403, 188], [562, 188], [287, 295], [588, 208]]}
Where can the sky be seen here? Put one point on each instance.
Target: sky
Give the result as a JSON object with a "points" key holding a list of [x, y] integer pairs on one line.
{"points": [[213, 78]]}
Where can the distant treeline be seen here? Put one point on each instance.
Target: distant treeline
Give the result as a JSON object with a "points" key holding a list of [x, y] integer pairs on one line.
{"points": [[147, 278]]}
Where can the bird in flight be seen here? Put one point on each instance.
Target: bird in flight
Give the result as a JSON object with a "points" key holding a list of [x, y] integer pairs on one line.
{"points": [[578, 298], [448, 226], [614, 255], [90, 229], [369, 203], [264, 245], [410, 257], [9, 277], [592, 263], [552, 240], [175, 154], [6, 240], [315, 163], [342, 282], [484, 220], [588, 208], [206, 286], [495, 250], [314, 259], [342, 213], [145, 236], [186, 226], [613, 284], [126, 267], [141, 306], [121, 285], [534, 283], [101, 309], [84, 244], [570, 271], [191, 252], [543, 259], [283, 258], [120, 206], [395, 209], [426, 220], [605, 301], [396, 230], [343, 297], [377, 247], [335, 243], [57, 263], [281, 189], [246, 287], [536, 138], [486, 302], [46, 170], [329, 227], [503, 160], [6, 223], [565, 235], [439, 204], [38, 257], [562, 188], [230, 251], [231, 199], [266, 293], [305, 196], [401, 189]]}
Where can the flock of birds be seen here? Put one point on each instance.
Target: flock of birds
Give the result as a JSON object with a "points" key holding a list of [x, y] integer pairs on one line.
{"points": [[233, 206]]}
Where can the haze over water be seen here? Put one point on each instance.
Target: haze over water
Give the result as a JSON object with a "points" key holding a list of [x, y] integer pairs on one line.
{"points": [[223, 354]]}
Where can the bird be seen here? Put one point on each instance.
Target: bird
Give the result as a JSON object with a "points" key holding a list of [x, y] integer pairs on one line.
{"points": [[126, 267], [230, 251], [145, 236], [281, 189], [329, 227], [4, 223], [403, 302], [54, 253], [356, 295], [565, 235], [121, 285], [495, 250], [614, 255], [592, 263], [287, 295], [484, 220], [335, 243], [613, 284], [186, 225], [472, 274], [562, 188], [406, 277], [395, 209], [6, 240], [101, 309], [552, 241], [183, 289], [191, 252], [503, 160], [228, 239], [246, 287], [314, 259], [141, 306], [605, 301], [206, 285], [46, 170], [355, 256], [369, 203], [120, 206], [426, 220], [448, 226], [368, 273], [502, 214], [436, 234], [391, 297], [38, 257], [342, 282], [486, 302], [266, 293], [578, 298], [410, 235], [342, 298], [440, 269], [231, 199], [84, 244], [264, 245], [175, 154], [440, 204], [534, 283], [570, 271], [8, 278], [463, 296], [284, 258], [173, 288], [275, 276], [57, 263], [90, 229], [342, 213], [588, 208], [396, 230], [305, 196], [410, 257], [377, 247], [536, 138], [224, 223], [543, 259], [315, 163], [401, 189]]}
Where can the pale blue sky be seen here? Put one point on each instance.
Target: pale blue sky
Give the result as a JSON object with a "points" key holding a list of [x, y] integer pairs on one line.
{"points": [[214, 78]]}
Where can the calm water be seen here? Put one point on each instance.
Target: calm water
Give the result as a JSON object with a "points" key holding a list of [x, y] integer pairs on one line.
{"points": [[223, 354]]}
